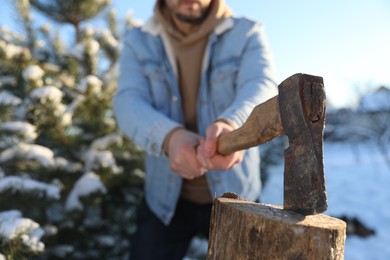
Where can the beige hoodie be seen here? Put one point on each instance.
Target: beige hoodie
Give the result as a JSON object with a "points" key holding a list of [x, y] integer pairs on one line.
{"points": [[189, 45]]}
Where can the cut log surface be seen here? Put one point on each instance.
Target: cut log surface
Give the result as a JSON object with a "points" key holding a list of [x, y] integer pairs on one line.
{"points": [[247, 230]]}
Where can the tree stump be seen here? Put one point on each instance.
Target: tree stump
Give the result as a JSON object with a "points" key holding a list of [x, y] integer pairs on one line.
{"points": [[247, 230]]}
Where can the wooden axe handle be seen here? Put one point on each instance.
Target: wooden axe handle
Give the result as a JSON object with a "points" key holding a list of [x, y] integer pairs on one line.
{"points": [[263, 124]]}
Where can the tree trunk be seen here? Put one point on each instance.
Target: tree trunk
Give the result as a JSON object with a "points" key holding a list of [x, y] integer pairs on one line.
{"points": [[247, 230]]}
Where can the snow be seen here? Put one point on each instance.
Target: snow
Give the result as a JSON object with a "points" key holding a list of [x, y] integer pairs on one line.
{"points": [[47, 94], [10, 50], [67, 112], [358, 182], [106, 241], [33, 73], [106, 141], [91, 85], [13, 225], [88, 184], [91, 47], [27, 130], [108, 38], [46, 27], [66, 165], [97, 159], [8, 99], [376, 101], [41, 154], [32, 239], [23, 185], [7, 80]]}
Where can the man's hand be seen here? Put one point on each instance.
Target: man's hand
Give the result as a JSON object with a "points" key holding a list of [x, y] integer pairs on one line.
{"points": [[207, 151], [182, 154]]}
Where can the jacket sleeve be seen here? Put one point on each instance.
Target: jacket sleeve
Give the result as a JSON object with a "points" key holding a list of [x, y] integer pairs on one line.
{"points": [[255, 82], [132, 103]]}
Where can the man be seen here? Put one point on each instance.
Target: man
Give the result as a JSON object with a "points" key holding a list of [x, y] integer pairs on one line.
{"points": [[188, 75]]}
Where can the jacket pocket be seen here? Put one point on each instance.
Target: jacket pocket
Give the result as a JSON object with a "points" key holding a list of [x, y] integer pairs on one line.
{"points": [[223, 81], [158, 85]]}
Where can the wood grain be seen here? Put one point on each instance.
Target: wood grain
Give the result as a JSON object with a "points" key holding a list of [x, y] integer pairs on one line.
{"points": [[247, 230]]}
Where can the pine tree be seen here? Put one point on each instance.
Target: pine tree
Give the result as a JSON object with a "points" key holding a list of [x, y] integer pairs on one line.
{"points": [[69, 180]]}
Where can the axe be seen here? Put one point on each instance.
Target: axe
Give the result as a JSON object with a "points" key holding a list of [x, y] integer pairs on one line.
{"points": [[298, 111]]}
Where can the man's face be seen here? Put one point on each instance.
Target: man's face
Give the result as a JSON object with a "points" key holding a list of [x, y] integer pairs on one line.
{"points": [[189, 10]]}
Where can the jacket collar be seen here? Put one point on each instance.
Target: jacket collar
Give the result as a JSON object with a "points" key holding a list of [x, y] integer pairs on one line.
{"points": [[152, 27]]}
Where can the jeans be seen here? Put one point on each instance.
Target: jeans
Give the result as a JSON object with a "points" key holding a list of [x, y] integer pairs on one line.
{"points": [[154, 240]]}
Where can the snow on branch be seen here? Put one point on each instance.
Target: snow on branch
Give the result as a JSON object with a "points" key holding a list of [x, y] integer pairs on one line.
{"points": [[8, 80], [98, 157], [88, 184], [90, 85], [69, 111], [8, 99], [27, 130], [33, 73], [47, 94], [13, 225], [23, 185], [10, 51], [66, 165], [43, 155], [106, 141], [89, 46]]}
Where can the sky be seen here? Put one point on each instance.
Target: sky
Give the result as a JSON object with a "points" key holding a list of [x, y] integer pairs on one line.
{"points": [[346, 42]]}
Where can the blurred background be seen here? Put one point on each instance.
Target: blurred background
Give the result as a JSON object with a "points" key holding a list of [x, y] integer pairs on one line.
{"points": [[70, 182], [345, 42]]}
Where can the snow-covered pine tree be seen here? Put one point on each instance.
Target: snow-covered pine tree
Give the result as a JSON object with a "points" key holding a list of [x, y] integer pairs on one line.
{"points": [[69, 181]]}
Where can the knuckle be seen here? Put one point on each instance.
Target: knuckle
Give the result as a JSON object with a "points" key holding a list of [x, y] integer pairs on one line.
{"points": [[174, 167]]}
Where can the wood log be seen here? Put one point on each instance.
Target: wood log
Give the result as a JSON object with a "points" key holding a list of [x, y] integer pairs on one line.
{"points": [[247, 230]]}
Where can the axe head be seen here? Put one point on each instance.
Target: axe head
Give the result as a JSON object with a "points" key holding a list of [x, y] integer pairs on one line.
{"points": [[302, 112]]}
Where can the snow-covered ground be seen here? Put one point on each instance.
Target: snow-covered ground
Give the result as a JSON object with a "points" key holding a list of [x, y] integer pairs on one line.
{"points": [[358, 185]]}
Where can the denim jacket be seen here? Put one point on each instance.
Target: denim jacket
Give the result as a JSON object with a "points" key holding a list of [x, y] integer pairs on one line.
{"points": [[237, 75]]}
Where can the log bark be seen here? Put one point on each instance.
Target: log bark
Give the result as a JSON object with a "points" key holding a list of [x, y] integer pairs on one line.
{"points": [[247, 230]]}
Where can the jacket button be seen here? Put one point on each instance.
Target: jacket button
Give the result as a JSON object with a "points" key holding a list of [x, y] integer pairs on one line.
{"points": [[174, 98], [153, 147]]}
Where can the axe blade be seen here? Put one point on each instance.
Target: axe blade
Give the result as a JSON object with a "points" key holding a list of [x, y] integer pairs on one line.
{"points": [[298, 112], [302, 111]]}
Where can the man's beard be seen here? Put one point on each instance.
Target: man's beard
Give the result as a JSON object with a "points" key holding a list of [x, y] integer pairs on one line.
{"points": [[194, 20]]}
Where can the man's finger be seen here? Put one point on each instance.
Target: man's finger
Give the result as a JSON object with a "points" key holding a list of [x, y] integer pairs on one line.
{"points": [[210, 146], [200, 155]]}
